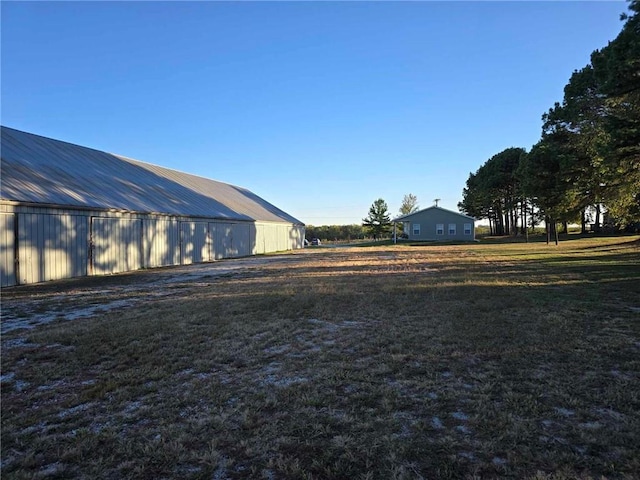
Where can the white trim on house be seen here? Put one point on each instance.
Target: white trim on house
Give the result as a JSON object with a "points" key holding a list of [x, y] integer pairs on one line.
{"points": [[468, 228], [408, 215], [438, 224]]}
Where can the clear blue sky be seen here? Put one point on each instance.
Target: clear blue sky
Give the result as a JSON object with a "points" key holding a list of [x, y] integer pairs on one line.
{"points": [[318, 107]]}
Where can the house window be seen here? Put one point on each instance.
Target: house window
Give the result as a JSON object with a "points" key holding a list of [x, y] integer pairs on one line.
{"points": [[439, 228], [452, 229], [416, 229], [467, 229]]}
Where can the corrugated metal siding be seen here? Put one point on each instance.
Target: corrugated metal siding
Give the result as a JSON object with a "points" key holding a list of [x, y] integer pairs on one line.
{"points": [[242, 234], [232, 240], [51, 247], [260, 242], [284, 240], [55, 243], [225, 233], [161, 243], [77, 211], [194, 242], [297, 236], [7, 249], [42, 170], [277, 238], [116, 245]]}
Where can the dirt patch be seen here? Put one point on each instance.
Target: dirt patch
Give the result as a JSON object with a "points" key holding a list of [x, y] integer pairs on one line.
{"points": [[26, 307], [478, 361]]}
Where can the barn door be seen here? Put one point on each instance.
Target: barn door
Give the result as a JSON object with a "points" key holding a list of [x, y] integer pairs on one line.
{"points": [[194, 242], [116, 245]]}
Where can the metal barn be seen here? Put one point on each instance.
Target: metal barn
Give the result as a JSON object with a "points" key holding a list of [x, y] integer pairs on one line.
{"points": [[69, 211]]}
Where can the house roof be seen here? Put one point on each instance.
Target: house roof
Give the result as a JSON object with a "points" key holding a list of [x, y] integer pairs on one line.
{"points": [[409, 215], [42, 170]]}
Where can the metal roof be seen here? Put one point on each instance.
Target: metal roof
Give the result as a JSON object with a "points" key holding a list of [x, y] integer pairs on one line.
{"points": [[403, 217], [42, 170]]}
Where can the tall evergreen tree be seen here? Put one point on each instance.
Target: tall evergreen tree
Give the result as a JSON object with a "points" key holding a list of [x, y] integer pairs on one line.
{"points": [[577, 127], [617, 68], [378, 221], [493, 192], [589, 153], [543, 181]]}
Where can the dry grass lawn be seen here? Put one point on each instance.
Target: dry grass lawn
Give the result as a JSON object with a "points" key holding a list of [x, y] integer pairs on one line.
{"points": [[397, 362]]}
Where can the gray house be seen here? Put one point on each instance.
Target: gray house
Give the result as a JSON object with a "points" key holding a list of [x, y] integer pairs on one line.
{"points": [[438, 224], [69, 211]]}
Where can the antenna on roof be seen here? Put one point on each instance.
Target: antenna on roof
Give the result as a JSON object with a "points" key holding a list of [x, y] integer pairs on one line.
{"points": [[436, 200]]}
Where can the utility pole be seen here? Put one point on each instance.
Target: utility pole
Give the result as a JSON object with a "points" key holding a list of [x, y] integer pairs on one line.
{"points": [[436, 200]]}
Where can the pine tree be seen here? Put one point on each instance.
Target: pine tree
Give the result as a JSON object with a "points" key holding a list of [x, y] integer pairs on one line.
{"points": [[378, 221]]}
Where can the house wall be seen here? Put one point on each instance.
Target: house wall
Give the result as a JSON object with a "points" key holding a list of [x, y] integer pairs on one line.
{"points": [[429, 221], [39, 244]]}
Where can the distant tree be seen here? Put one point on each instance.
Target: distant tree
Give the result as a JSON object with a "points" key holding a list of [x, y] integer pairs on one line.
{"points": [[409, 204], [334, 232], [378, 221]]}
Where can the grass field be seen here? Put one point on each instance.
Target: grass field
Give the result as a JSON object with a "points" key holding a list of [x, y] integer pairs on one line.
{"points": [[395, 362]]}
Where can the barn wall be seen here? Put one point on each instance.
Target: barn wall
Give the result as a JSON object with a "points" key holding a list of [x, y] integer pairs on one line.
{"points": [[51, 246], [116, 245], [273, 237], [55, 243], [7, 249], [296, 235], [195, 242], [161, 242], [231, 240]]}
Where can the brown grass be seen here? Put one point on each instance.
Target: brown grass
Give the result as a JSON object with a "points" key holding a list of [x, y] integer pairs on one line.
{"points": [[470, 361]]}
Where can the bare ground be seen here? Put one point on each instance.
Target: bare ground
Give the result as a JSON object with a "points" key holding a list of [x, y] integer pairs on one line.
{"points": [[478, 361], [28, 306]]}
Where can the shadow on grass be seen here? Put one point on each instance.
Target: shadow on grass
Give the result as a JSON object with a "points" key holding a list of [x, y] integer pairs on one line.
{"points": [[346, 364]]}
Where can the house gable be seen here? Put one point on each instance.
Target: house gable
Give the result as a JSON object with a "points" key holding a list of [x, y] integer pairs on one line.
{"points": [[438, 224]]}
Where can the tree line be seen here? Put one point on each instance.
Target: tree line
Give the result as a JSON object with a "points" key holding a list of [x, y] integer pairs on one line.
{"points": [[587, 161], [376, 225]]}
